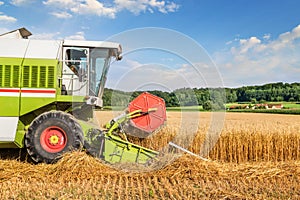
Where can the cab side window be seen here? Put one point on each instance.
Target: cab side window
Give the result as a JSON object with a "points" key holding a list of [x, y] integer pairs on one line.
{"points": [[76, 60]]}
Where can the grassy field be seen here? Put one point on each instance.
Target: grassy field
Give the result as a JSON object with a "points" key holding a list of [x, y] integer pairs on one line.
{"points": [[291, 105], [256, 157], [185, 108]]}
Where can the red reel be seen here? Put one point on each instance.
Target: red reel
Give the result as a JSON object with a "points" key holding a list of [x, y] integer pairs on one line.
{"points": [[155, 108]]}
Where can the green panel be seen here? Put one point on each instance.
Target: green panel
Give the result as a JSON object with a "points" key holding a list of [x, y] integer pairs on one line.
{"points": [[29, 104], [10, 76], [9, 106], [19, 139], [1, 75], [10, 72], [43, 74], [26, 76], [7, 76], [50, 82], [34, 77], [39, 73], [117, 150], [16, 76], [67, 98]]}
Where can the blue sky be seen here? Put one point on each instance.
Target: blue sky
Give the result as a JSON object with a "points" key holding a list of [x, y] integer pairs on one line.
{"points": [[250, 42]]}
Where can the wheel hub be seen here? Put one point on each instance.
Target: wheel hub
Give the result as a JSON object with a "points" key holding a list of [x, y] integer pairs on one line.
{"points": [[53, 139]]}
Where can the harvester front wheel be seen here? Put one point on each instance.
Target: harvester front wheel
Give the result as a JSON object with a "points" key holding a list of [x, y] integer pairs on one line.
{"points": [[52, 134]]}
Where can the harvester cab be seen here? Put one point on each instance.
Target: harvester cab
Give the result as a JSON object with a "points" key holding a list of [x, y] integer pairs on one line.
{"points": [[48, 92], [85, 67]]}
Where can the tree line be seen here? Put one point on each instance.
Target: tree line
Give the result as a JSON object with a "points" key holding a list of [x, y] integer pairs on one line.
{"points": [[212, 98], [275, 92]]}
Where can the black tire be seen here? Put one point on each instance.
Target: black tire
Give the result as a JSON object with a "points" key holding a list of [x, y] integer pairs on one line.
{"points": [[51, 134]]}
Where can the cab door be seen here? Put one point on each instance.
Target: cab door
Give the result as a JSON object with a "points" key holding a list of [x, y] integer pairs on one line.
{"points": [[75, 71]]}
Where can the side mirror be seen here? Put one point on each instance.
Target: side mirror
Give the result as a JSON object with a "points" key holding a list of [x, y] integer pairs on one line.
{"points": [[119, 57]]}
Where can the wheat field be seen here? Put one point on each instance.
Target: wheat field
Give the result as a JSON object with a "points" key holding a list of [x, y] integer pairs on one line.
{"points": [[245, 137], [256, 156]]}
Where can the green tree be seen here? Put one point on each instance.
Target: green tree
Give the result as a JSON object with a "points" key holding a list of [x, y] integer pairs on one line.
{"points": [[207, 105]]}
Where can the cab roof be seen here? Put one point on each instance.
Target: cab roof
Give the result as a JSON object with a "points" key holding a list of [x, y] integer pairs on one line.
{"points": [[96, 44]]}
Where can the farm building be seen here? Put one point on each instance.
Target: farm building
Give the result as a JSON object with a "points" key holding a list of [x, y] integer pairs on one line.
{"points": [[257, 106], [269, 106]]}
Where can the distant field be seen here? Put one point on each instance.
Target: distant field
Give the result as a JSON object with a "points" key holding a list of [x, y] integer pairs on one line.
{"points": [[291, 105], [185, 108]]}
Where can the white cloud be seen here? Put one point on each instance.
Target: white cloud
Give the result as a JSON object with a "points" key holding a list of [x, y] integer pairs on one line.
{"points": [[247, 44], [138, 6], [90, 7], [20, 2], [62, 3], [77, 36], [83, 7], [255, 61], [1, 3], [7, 19], [133, 6], [62, 15], [285, 40], [95, 7], [172, 7], [289, 36]]}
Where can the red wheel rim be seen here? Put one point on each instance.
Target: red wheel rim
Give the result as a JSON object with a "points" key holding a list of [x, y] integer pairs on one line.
{"points": [[53, 139]]}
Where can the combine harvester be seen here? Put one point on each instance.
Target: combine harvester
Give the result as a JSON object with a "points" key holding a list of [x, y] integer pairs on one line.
{"points": [[48, 92]]}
